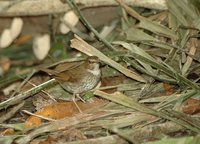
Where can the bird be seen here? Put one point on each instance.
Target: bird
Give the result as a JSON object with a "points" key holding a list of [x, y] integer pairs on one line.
{"points": [[78, 78]]}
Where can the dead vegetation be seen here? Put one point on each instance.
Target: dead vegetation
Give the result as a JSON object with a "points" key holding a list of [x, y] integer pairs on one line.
{"points": [[150, 76]]}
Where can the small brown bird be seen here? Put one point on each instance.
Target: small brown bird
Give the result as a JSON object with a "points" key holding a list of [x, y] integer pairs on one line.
{"points": [[81, 77]]}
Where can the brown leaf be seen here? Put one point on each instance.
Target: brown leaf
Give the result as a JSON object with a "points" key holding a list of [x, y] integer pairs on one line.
{"points": [[192, 106], [60, 110]]}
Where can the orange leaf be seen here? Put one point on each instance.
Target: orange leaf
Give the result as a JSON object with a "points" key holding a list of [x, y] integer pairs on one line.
{"points": [[192, 106], [61, 110]]}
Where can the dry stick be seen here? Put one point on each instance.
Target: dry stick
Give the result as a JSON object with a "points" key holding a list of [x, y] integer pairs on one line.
{"points": [[23, 83], [39, 116], [26, 94], [51, 97]]}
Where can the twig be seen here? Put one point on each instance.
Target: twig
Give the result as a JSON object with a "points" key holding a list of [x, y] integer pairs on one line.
{"points": [[42, 117], [23, 83], [50, 96], [26, 94]]}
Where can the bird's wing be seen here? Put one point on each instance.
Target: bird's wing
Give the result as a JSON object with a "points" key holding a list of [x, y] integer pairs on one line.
{"points": [[67, 66], [69, 76], [61, 77], [65, 72], [49, 71]]}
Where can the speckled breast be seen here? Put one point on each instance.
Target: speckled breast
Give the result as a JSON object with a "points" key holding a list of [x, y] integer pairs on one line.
{"points": [[87, 83]]}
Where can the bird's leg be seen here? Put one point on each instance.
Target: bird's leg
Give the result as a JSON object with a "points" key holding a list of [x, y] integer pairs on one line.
{"points": [[78, 96], [74, 100]]}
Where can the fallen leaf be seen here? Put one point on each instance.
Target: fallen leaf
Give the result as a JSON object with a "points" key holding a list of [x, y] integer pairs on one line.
{"points": [[60, 110], [192, 106]]}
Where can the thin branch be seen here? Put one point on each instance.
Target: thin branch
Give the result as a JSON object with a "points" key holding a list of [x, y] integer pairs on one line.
{"points": [[26, 94]]}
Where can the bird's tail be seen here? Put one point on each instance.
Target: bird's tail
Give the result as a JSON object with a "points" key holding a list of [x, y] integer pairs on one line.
{"points": [[49, 71]]}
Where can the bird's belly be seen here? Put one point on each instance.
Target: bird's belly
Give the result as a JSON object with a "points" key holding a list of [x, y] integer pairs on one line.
{"points": [[86, 84]]}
